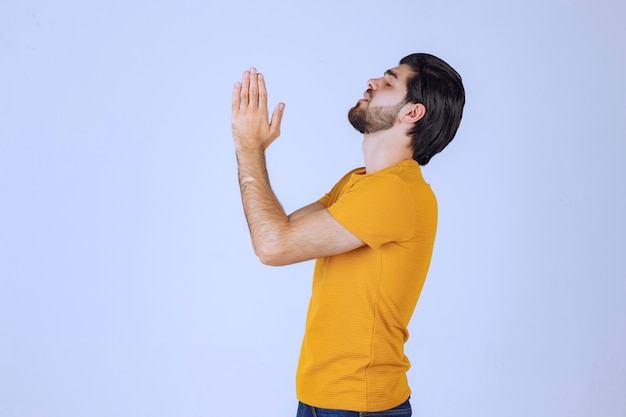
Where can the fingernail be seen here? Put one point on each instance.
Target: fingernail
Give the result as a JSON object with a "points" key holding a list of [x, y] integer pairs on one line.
{"points": [[246, 74], [260, 76], [253, 70]]}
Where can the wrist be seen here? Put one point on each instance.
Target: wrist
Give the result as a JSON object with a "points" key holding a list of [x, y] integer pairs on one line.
{"points": [[242, 147]]}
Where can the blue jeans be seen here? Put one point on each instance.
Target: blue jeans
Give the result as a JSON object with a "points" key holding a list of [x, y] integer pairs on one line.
{"points": [[403, 410]]}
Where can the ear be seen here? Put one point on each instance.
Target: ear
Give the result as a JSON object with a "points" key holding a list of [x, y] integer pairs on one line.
{"points": [[412, 112]]}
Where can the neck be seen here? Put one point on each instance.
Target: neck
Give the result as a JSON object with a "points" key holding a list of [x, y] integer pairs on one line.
{"points": [[385, 148]]}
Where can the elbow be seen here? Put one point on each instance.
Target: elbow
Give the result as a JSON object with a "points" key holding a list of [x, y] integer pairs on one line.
{"points": [[270, 261], [270, 255]]}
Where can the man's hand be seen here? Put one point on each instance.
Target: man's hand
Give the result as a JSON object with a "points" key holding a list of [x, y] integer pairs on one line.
{"points": [[249, 119]]}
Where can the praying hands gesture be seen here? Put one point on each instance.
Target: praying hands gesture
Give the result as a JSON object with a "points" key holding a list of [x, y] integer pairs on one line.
{"points": [[249, 120], [278, 239]]}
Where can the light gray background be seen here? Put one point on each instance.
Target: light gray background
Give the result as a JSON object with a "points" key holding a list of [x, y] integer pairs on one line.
{"points": [[128, 286]]}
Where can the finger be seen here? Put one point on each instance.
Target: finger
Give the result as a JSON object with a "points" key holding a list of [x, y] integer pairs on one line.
{"points": [[277, 118], [236, 97], [254, 87], [262, 93], [245, 87]]}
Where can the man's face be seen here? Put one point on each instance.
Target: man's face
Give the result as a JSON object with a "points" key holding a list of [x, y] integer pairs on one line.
{"points": [[381, 104]]}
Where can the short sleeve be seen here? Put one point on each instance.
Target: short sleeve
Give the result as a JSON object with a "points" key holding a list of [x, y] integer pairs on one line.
{"points": [[325, 200], [378, 209], [332, 195]]}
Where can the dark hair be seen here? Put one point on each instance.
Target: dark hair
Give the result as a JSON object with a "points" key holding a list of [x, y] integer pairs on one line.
{"points": [[439, 88]]}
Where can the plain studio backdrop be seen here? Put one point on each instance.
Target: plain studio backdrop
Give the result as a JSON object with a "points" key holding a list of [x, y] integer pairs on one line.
{"points": [[128, 285]]}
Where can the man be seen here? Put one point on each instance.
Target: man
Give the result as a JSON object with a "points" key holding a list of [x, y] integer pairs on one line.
{"points": [[372, 234]]}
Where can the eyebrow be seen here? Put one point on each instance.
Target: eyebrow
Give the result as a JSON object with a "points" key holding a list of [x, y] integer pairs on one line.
{"points": [[392, 73]]}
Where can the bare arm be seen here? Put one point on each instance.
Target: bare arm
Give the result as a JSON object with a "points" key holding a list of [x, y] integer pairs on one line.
{"points": [[313, 207], [278, 239]]}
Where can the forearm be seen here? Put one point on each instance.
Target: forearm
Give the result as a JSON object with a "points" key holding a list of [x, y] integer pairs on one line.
{"points": [[265, 215]]}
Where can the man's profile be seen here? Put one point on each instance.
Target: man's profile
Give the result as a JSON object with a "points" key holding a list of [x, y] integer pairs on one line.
{"points": [[372, 235]]}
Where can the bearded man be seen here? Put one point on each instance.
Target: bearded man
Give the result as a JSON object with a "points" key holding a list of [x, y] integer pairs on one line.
{"points": [[372, 234]]}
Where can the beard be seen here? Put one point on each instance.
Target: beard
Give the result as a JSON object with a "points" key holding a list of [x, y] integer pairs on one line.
{"points": [[374, 119]]}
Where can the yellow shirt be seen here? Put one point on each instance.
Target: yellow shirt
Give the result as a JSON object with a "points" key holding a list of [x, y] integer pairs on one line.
{"points": [[352, 355]]}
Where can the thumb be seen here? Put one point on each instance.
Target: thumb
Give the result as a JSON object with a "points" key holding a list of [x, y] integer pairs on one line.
{"points": [[277, 117]]}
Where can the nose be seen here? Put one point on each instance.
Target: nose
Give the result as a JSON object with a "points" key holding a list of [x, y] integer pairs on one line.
{"points": [[372, 84]]}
